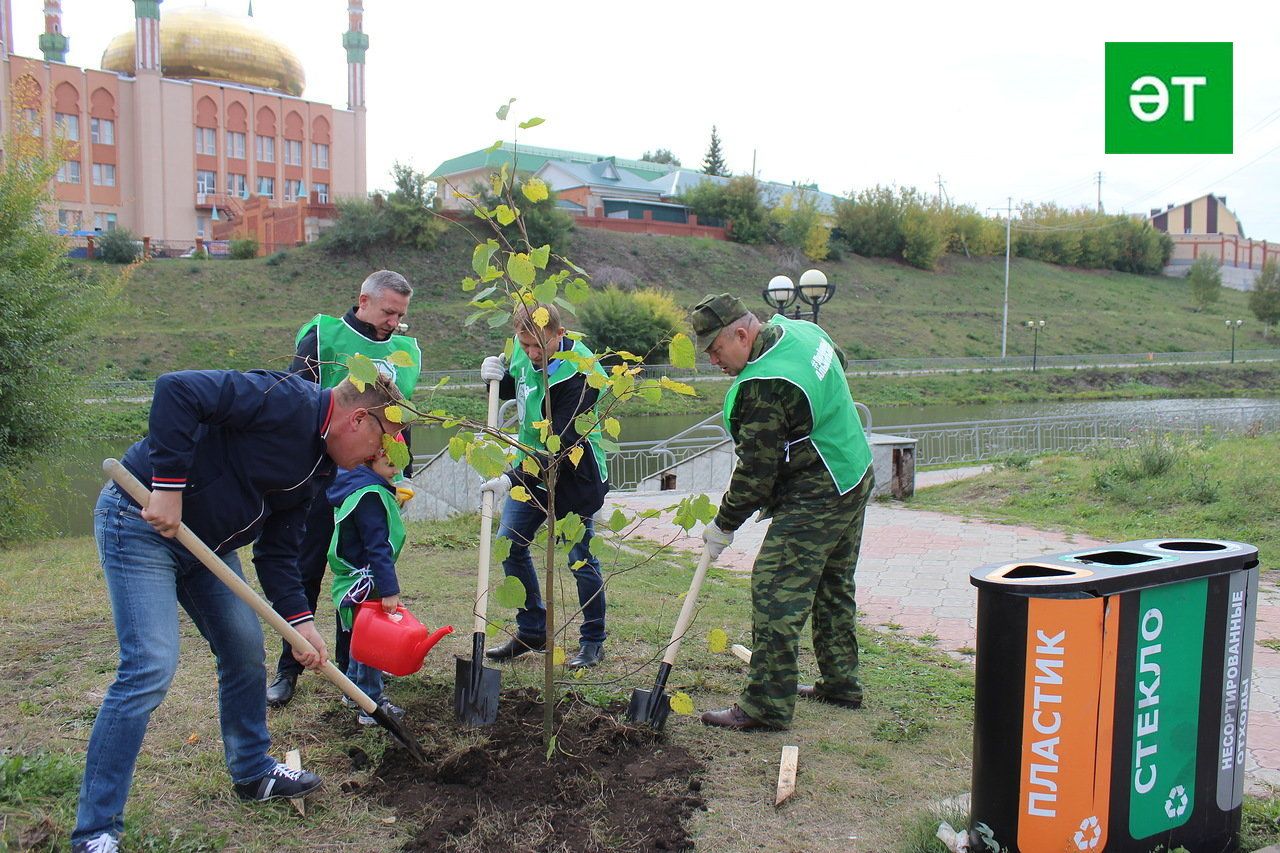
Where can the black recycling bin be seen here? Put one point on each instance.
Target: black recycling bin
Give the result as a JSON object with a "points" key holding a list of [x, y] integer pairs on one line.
{"points": [[1112, 698]]}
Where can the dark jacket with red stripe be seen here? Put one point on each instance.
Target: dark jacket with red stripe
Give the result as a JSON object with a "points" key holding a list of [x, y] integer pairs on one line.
{"points": [[248, 453]]}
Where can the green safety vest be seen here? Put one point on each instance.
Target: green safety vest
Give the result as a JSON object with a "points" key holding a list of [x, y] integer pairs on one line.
{"points": [[345, 575], [529, 399], [335, 339], [805, 356]]}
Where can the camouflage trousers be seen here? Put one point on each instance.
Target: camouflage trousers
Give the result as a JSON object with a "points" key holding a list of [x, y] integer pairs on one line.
{"points": [[805, 566]]}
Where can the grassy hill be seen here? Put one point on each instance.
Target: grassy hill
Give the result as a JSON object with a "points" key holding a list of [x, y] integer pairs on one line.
{"points": [[180, 314]]}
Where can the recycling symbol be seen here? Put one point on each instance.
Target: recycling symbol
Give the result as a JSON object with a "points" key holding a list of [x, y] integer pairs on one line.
{"points": [[1177, 802], [1089, 833]]}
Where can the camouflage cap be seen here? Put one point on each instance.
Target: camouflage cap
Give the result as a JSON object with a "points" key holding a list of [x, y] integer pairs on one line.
{"points": [[712, 314]]}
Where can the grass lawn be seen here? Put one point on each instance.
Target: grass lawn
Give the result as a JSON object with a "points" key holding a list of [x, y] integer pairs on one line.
{"points": [[867, 778], [1206, 488]]}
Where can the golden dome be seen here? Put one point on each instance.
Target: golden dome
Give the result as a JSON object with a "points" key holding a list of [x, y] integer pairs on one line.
{"points": [[205, 44]]}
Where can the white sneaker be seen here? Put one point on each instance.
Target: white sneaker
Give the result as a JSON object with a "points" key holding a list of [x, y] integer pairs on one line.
{"points": [[104, 843]]}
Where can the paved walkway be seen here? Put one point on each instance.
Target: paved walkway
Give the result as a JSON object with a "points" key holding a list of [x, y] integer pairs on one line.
{"points": [[913, 575]]}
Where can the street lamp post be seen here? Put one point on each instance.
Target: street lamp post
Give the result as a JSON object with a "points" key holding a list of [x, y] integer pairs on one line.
{"points": [[1233, 325], [1035, 326], [814, 290]]}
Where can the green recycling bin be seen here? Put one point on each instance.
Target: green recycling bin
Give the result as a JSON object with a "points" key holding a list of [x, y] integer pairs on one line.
{"points": [[1112, 698]]}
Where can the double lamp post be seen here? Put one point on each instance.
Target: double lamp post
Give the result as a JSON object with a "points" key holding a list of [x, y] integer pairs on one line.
{"points": [[814, 290]]}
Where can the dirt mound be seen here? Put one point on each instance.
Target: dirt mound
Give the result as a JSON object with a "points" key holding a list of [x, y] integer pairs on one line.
{"points": [[609, 786]]}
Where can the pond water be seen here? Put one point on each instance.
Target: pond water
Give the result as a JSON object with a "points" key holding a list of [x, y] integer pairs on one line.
{"points": [[72, 480]]}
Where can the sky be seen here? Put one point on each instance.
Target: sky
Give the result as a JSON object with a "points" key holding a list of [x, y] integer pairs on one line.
{"points": [[997, 100]]}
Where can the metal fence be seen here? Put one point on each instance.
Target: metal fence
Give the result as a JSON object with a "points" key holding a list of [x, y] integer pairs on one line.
{"points": [[980, 441], [636, 461]]}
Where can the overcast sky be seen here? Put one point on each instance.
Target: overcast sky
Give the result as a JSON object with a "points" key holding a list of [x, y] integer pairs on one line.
{"points": [[999, 98]]}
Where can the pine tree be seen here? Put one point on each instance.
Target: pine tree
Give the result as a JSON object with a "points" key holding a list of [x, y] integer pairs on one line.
{"points": [[662, 155], [713, 163]]}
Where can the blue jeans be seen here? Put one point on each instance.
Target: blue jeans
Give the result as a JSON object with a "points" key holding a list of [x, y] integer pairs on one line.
{"points": [[367, 678], [147, 577], [520, 521]]}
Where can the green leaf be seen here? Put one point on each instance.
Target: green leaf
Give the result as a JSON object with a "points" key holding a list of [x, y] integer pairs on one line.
{"points": [[396, 452], [545, 291], [504, 109], [529, 465], [608, 446], [553, 443], [481, 256], [492, 629], [678, 387], [612, 426], [681, 351], [362, 370], [505, 215], [649, 392], [551, 747], [575, 454], [510, 593], [469, 284], [498, 318], [457, 447], [681, 703], [494, 147], [571, 528], [598, 380], [694, 509], [487, 458], [520, 493], [585, 423], [540, 256], [401, 358], [521, 269], [500, 550], [534, 189], [471, 318], [717, 641], [618, 520], [533, 122], [394, 414], [577, 290]]}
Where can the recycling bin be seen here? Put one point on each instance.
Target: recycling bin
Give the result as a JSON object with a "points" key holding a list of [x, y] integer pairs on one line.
{"points": [[1112, 698]]}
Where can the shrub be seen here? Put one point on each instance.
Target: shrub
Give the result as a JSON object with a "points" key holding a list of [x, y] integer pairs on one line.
{"points": [[544, 222], [362, 225], [798, 224], [923, 239], [277, 259], [735, 204], [1205, 280], [1264, 299], [638, 322], [408, 209], [244, 249], [120, 246], [870, 223]]}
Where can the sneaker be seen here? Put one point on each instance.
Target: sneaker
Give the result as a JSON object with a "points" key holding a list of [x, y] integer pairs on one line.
{"points": [[104, 843], [393, 711], [280, 782], [348, 702]]}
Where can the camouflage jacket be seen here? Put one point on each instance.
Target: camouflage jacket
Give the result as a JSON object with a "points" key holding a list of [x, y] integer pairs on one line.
{"points": [[769, 475]]}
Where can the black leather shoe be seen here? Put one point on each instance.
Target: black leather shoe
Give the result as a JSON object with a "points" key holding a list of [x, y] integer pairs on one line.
{"points": [[515, 647], [808, 691], [589, 654], [280, 691], [734, 718]]}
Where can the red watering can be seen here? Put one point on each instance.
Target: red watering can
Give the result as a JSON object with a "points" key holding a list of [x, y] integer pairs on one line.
{"points": [[395, 643]]}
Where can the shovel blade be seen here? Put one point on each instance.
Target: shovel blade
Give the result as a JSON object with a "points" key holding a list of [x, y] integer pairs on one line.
{"points": [[649, 708], [476, 689], [398, 731]]}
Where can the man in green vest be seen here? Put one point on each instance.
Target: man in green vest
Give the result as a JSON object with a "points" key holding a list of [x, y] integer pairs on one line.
{"points": [[370, 328], [579, 488], [804, 459]]}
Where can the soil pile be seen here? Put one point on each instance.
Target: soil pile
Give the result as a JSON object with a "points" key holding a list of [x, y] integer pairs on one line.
{"points": [[609, 786]]}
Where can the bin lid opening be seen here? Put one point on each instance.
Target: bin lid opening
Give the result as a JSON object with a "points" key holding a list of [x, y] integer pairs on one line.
{"points": [[1034, 571], [1192, 545], [1116, 558]]}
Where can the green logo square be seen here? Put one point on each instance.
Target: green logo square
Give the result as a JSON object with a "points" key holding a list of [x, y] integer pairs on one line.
{"points": [[1169, 98]]}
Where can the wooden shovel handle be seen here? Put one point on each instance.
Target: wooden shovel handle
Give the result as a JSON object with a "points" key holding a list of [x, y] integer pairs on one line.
{"points": [[140, 493], [486, 528], [686, 611]]}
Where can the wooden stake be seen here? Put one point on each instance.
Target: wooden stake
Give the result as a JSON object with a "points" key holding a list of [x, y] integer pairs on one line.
{"points": [[293, 760], [787, 773], [741, 652]]}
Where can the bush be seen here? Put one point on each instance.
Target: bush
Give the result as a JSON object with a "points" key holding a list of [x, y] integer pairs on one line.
{"points": [[544, 222], [277, 259], [1205, 280], [923, 240], [362, 225], [736, 205], [1264, 299], [244, 248], [120, 246], [412, 222], [639, 322], [798, 224], [870, 223]]}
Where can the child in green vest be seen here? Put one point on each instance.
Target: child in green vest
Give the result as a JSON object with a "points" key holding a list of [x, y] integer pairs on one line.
{"points": [[367, 537]]}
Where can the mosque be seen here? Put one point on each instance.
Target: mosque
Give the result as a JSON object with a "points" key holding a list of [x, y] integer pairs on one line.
{"points": [[195, 118]]}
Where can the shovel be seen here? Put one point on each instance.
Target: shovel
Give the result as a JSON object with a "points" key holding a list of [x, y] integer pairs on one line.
{"points": [[476, 686], [650, 707], [202, 552]]}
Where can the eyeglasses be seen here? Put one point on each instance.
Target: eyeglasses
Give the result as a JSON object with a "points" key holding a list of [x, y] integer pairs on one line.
{"points": [[382, 424]]}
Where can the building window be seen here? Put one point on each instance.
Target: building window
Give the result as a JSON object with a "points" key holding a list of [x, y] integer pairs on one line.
{"points": [[102, 131], [202, 226], [68, 126], [206, 182], [265, 148], [319, 155], [69, 172], [104, 174], [104, 222], [237, 185], [69, 219], [235, 145], [292, 152], [32, 119], [293, 190], [206, 140], [322, 193], [267, 187]]}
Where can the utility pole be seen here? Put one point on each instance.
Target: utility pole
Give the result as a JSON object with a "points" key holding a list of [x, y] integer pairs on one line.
{"points": [[1008, 243], [939, 188], [1099, 192]]}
